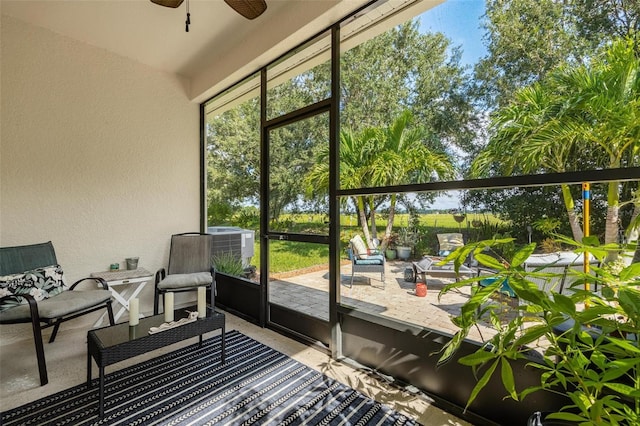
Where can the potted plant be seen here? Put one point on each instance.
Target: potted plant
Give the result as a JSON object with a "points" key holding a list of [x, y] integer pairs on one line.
{"points": [[406, 240], [390, 253], [390, 250], [592, 356], [459, 217]]}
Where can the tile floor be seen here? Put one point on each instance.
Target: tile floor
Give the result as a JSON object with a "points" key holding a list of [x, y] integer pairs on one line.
{"points": [[66, 361]]}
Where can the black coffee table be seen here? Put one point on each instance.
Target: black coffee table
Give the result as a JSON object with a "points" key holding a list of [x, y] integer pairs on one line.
{"points": [[108, 345]]}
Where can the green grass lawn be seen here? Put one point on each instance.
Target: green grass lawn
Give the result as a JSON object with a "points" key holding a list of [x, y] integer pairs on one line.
{"points": [[290, 256]]}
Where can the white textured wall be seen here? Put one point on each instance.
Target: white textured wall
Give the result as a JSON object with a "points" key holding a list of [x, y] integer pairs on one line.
{"points": [[98, 153]]}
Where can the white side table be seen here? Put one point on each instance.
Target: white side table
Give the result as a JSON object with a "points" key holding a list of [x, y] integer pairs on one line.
{"points": [[134, 280]]}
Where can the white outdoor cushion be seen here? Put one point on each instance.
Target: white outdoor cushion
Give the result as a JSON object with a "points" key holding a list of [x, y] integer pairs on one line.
{"points": [[178, 281], [449, 242], [59, 305], [359, 247], [561, 258]]}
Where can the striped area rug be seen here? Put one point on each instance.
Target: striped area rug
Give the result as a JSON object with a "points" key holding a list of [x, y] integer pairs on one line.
{"points": [[257, 385]]}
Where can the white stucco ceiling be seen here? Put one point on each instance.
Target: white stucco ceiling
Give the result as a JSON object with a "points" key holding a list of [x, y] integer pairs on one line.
{"points": [[220, 47]]}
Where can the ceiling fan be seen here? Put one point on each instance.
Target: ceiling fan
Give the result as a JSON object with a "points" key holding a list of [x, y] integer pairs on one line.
{"points": [[250, 9]]}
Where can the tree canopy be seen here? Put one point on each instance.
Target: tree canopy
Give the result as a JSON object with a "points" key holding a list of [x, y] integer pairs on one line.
{"points": [[400, 153], [578, 117], [526, 39], [541, 53], [400, 70]]}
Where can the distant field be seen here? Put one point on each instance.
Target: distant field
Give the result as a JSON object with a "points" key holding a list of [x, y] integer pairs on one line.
{"points": [[288, 256], [444, 220], [432, 220]]}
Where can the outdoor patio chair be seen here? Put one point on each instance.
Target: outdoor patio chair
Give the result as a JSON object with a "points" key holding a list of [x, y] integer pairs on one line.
{"points": [[422, 267], [190, 267], [447, 243], [32, 290], [429, 265], [553, 270], [365, 260], [556, 263], [489, 279]]}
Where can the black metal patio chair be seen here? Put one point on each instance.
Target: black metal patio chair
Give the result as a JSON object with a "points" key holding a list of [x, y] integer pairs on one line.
{"points": [[190, 267], [33, 290]]}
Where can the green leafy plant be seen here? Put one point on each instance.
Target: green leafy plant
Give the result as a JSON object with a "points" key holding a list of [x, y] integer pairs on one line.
{"points": [[391, 241], [228, 263], [614, 267], [423, 243], [485, 229], [505, 246], [247, 217], [547, 225], [406, 237], [595, 362]]}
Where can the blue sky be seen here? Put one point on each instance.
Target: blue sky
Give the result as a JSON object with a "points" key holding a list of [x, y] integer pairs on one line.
{"points": [[460, 21]]}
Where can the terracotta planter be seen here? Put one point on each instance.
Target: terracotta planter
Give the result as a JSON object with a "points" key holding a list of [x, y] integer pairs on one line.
{"points": [[421, 289]]}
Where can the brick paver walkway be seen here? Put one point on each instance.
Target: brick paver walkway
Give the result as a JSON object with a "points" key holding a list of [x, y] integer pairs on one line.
{"points": [[308, 293]]}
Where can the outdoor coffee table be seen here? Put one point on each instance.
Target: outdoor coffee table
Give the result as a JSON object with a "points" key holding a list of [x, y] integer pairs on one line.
{"points": [[430, 265], [108, 345]]}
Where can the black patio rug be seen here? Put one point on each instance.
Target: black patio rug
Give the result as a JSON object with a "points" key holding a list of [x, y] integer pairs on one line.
{"points": [[257, 385]]}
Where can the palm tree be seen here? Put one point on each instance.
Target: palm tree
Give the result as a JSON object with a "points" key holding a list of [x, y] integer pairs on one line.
{"points": [[356, 153], [529, 138], [378, 157], [606, 111], [587, 116], [404, 157]]}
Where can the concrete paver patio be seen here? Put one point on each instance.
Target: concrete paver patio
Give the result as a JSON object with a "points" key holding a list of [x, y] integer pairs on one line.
{"points": [[308, 293]]}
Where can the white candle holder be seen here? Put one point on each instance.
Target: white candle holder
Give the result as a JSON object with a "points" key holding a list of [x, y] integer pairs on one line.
{"points": [[134, 311], [202, 302], [168, 307]]}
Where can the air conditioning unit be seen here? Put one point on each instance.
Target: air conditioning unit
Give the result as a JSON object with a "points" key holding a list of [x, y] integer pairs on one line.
{"points": [[231, 239]]}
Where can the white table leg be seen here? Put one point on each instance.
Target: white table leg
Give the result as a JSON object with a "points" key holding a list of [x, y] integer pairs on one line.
{"points": [[122, 299]]}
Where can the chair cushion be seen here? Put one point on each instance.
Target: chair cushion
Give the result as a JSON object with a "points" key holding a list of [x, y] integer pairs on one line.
{"points": [[504, 288], [41, 283], [449, 242], [359, 247], [63, 304], [374, 259], [178, 281], [561, 258]]}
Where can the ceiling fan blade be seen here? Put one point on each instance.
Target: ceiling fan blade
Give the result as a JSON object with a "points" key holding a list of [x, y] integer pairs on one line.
{"points": [[168, 3], [250, 9]]}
